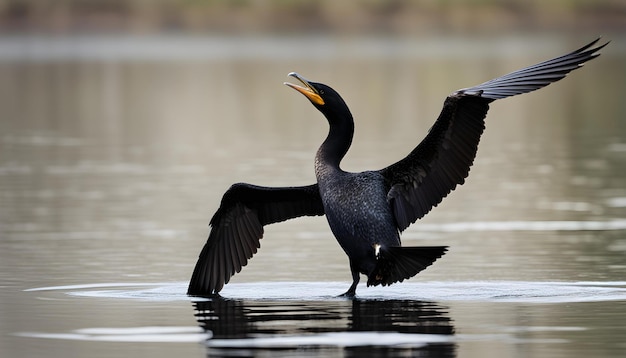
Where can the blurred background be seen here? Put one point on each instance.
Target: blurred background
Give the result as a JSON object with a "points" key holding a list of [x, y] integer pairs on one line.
{"points": [[395, 17], [123, 122]]}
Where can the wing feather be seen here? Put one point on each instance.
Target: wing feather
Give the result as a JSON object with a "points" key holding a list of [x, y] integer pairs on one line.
{"points": [[237, 228], [443, 159]]}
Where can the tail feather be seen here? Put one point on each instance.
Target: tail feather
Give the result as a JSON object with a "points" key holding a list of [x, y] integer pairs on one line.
{"points": [[396, 264]]}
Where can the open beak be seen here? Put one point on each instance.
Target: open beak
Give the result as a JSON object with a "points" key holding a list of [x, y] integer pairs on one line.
{"points": [[308, 91]]}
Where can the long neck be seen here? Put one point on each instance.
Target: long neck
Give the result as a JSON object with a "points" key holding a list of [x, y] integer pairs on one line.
{"points": [[337, 143]]}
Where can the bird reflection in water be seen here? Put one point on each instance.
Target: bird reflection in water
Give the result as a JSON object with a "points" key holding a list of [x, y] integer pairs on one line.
{"points": [[280, 327]]}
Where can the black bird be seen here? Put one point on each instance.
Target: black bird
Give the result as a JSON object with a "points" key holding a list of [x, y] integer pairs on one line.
{"points": [[367, 211]]}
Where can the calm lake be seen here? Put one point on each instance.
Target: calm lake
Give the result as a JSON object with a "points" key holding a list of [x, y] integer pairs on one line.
{"points": [[115, 152]]}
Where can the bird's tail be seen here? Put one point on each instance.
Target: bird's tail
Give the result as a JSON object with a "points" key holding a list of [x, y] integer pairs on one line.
{"points": [[396, 264]]}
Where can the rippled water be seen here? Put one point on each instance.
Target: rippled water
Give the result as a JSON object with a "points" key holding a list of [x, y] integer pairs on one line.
{"points": [[295, 318], [112, 162]]}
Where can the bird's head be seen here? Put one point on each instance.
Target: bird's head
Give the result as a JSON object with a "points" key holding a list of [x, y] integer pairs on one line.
{"points": [[324, 98]]}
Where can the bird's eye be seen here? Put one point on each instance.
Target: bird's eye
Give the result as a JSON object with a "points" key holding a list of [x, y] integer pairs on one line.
{"points": [[321, 91]]}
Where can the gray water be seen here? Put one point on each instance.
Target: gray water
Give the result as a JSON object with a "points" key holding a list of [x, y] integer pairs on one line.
{"points": [[114, 153]]}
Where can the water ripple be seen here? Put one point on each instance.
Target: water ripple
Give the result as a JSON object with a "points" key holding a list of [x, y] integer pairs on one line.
{"points": [[470, 291], [132, 334], [616, 224]]}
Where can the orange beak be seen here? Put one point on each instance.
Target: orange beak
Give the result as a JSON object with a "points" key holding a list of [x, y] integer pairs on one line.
{"points": [[308, 91]]}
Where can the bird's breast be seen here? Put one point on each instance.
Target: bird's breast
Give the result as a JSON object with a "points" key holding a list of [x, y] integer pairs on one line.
{"points": [[357, 210]]}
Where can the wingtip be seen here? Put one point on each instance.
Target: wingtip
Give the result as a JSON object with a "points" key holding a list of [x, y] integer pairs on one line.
{"points": [[590, 49]]}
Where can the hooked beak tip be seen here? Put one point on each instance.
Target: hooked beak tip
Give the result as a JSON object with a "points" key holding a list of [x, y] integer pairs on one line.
{"points": [[308, 90]]}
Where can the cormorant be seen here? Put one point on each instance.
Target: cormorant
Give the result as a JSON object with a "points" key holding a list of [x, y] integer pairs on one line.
{"points": [[367, 211]]}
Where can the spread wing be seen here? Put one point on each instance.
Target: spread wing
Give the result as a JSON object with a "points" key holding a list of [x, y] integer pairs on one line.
{"points": [[237, 228], [443, 159]]}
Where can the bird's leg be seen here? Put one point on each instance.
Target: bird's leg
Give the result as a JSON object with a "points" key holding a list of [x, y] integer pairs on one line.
{"points": [[356, 276]]}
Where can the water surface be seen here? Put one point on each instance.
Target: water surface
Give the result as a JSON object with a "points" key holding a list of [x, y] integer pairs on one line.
{"points": [[114, 155]]}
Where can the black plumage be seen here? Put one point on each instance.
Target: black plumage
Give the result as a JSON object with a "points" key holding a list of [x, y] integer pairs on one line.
{"points": [[367, 211]]}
